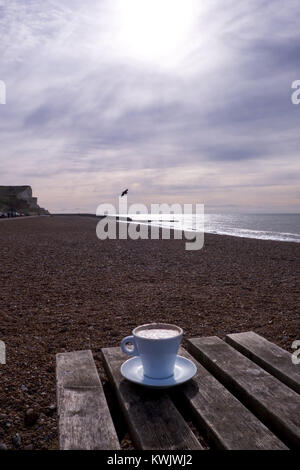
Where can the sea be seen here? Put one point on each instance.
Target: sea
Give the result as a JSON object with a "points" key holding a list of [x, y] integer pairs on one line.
{"points": [[280, 227]]}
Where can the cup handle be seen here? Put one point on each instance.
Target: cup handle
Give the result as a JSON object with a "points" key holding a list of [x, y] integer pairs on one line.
{"points": [[130, 352]]}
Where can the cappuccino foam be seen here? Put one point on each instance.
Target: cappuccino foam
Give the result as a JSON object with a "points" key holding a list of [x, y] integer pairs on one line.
{"points": [[157, 333]]}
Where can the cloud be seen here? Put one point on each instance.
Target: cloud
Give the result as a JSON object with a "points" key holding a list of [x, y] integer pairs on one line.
{"points": [[83, 111]]}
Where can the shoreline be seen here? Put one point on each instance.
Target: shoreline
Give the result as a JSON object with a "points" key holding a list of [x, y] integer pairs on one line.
{"points": [[173, 229], [62, 290]]}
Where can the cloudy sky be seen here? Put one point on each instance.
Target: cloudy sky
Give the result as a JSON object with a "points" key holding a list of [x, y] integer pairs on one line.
{"points": [[179, 100]]}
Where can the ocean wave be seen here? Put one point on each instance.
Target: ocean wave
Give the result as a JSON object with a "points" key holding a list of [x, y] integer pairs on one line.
{"points": [[227, 225], [257, 234]]}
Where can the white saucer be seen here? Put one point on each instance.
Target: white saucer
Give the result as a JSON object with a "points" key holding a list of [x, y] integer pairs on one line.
{"points": [[184, 370]]}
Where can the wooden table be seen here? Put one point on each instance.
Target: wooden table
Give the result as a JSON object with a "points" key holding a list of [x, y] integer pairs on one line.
{"points": [[245, 395]]}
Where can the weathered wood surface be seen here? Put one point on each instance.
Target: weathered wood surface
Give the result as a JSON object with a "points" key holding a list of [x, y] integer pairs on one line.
{"points": [[272, 401], [84, 418], [268, 355], [153, 420], [226, 422]]}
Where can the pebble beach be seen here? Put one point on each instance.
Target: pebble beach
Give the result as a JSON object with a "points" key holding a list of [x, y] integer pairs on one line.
{"points": [[62, 289]]}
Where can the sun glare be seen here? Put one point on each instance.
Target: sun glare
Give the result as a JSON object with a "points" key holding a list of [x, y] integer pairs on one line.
{"points": [[155, 30]]}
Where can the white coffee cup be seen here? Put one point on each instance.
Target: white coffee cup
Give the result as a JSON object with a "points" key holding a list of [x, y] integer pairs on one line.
{"points": [[157, 345]]}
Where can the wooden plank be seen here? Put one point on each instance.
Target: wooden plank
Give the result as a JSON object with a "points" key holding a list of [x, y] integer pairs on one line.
{"points": [[269, 356], [226, 422], [273, 402], [84, 418], [153, 420]]}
